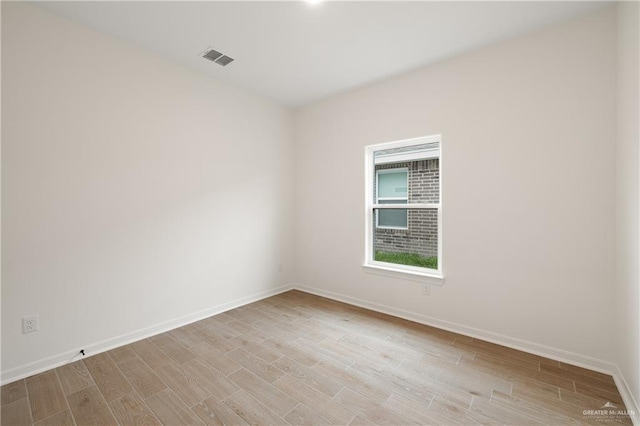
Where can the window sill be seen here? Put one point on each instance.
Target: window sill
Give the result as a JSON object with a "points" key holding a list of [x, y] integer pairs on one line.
{"points": [[431, 278]]}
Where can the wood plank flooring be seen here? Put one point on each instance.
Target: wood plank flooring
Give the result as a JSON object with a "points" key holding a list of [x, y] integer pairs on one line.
{"points": [[300, 359]]}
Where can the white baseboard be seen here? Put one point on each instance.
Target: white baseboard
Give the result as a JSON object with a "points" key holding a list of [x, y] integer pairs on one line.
{"points": [[500, 339], [489, 336], [627, 396], [39, 366]]}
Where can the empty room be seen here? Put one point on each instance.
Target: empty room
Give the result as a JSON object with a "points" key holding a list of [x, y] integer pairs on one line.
{"points": [[320, 212]]}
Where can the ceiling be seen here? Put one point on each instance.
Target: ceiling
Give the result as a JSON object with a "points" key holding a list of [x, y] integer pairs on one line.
{"points": [[296, 53]]}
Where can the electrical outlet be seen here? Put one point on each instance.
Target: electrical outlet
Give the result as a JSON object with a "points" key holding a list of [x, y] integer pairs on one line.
{"points": [[426, 290], [29, 324]]}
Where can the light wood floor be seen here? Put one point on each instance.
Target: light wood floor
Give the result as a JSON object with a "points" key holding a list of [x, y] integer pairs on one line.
{"points": [[301, 359]]}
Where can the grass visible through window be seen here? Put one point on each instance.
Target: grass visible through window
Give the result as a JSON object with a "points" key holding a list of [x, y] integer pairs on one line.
{"points": [[412, 259]]}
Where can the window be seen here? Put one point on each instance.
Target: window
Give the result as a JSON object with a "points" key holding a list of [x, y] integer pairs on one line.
{"points": [[403, 208], [391, 188]]}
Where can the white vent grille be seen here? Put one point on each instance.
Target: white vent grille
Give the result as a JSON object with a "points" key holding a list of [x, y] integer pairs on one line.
{"points": [[217, 57]]}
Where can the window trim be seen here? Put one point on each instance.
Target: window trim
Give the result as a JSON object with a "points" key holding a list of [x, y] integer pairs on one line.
{"points": [[405, 199], [429, 276]]}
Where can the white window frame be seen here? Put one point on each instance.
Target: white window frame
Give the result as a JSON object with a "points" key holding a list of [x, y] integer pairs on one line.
{"points": [[429, 276], [382, 172]]}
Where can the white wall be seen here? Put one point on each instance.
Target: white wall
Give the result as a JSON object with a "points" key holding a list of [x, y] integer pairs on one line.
{"points": [[627, 293], [137, 194], [0, 189], [134, 192], [528, 130]]}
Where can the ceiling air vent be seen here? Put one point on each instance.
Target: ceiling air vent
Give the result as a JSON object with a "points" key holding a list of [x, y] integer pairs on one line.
{"points": [[217, 57], [224, 60]]}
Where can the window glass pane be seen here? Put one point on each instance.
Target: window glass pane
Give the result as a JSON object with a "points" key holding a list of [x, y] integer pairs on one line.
{"points": [[424, 181], [417, 166], [392, 184], [394, 218], [416, 246]]}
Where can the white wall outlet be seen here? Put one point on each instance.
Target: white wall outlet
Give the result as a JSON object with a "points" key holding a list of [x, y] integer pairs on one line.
{"points": [[426, 290], [29, 324]]}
